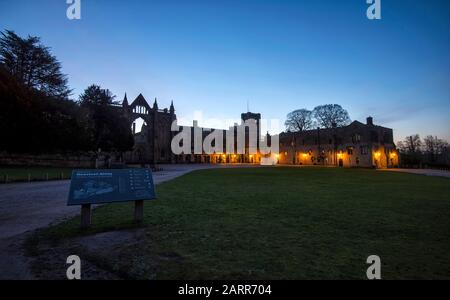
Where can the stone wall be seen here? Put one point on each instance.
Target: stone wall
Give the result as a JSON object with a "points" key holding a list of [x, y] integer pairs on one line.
{"points": [[78, 160]]}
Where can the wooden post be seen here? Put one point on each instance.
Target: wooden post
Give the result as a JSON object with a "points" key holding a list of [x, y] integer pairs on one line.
{"points": [[29, 177], [85, 216], [139, 211]]}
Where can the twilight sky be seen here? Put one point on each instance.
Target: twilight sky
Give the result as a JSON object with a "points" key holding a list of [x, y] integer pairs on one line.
{"points": [[215, 56]]}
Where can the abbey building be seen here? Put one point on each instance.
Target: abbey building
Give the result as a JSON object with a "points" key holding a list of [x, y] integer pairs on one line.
{"points": [[355, 145]]}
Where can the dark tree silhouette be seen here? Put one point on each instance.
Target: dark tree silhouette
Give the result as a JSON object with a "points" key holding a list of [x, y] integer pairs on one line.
{"points": [[411, 151], [299, 120], [32, 122], [330, 114], [94, 95], [33, 64], [411, 144], [111, 128], [36, 115]]}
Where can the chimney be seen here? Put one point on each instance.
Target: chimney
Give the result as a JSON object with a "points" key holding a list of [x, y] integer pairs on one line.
{"points": [[369, 121]]}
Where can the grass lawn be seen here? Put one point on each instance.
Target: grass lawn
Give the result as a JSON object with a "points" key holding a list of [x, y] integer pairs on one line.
{"points": [[285, 223], [15, 174]]}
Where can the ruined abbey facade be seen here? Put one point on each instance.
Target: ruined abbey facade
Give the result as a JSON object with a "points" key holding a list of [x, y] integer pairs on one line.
{"points": [[355, 145], [153, 142]]}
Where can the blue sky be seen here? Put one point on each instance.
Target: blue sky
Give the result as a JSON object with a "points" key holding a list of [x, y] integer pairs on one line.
{"points": [[214, 56]]}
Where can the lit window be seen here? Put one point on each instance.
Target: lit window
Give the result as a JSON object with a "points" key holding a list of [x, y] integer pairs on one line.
{"points": [[350, 150]]}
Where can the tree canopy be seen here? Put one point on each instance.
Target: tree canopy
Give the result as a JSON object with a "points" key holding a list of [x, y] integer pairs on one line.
{"points": [[32, 64], [36, 114], [110, 128], [299, 120], [331, 114], [94, 95], [32, 122], [324, 116]]}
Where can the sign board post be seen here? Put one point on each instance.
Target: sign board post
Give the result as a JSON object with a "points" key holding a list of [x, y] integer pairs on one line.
{"points": [[139, 211], [86, 216], [88, 187]]}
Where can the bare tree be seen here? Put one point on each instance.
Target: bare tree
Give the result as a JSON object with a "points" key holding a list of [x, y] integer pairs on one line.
{"points": [[443, 147], [432, 151], [331, 114], [410, 149], [434, 147], [431, 147], [413, 143], [299, 120]]}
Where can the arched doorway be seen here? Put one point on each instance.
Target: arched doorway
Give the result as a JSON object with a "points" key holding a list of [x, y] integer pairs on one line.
{"points": [[137, 125], [141, 143]]}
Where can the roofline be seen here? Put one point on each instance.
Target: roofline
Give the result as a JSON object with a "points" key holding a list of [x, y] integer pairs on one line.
{"points": [[336, 128]]}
